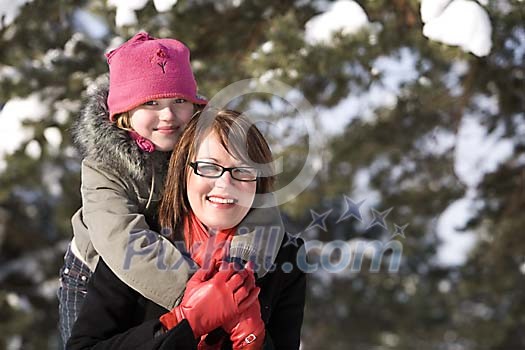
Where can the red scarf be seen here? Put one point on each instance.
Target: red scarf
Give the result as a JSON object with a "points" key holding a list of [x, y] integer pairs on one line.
{"points": [[207, 251]]}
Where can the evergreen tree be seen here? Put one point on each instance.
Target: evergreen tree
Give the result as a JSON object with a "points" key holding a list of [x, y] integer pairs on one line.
{"points": [[392, 150]]}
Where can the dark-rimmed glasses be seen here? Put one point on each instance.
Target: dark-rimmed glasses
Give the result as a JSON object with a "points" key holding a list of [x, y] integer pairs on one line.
{"points": [[214, 171]]}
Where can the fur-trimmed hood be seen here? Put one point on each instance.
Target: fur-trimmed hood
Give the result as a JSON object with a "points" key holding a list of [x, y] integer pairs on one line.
{"points": [[101, 140]]}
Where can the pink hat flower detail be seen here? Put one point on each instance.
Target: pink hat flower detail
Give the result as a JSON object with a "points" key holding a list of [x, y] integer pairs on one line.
{"points": [[161, 59]]}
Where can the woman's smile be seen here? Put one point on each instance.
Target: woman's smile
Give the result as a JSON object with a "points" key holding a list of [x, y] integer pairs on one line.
{"points": [[227, 202]]}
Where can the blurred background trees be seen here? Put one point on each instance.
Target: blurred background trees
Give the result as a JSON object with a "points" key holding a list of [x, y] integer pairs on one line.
{"points": [[432, 132]]}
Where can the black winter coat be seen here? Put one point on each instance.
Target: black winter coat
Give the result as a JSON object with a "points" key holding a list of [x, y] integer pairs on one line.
{"points": [[114, 316]]}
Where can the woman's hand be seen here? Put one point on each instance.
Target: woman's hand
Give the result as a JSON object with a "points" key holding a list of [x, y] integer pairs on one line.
{"points": [[248, 330]]}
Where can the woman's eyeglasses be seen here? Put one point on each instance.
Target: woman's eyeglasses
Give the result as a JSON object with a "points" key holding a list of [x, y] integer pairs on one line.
{"points": [[212, 170]]}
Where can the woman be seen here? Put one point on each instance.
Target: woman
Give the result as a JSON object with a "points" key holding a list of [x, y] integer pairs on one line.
{"points": [[212, 182]]}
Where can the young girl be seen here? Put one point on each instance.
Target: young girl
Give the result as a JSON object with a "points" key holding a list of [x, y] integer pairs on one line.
{"points": [[125, 133]]}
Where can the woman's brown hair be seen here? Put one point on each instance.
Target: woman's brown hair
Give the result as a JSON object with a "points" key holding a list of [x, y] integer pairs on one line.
{"points": [[241, 139]]}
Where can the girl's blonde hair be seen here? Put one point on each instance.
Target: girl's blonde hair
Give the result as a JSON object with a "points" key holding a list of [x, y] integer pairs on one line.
{"points": [[123, 121]]}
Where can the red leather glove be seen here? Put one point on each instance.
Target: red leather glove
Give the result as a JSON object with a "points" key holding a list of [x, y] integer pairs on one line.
{"points": [[248, 330], [208, 302]]}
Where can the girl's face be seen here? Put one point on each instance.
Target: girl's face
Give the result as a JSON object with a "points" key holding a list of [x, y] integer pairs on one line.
{"points": [[161, 121], [219, 203]]}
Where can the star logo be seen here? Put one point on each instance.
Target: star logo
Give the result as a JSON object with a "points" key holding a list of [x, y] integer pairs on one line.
{"points": [[379, 218], [351, 210], [291, 239], [318, 220], [399, 231]]}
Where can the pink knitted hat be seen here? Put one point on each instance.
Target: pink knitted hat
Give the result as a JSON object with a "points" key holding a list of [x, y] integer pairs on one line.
{"points": [[145, 68]]}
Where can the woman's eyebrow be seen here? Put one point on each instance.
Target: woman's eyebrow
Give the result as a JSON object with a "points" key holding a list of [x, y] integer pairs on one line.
{"points": [[208, 158], [239, 164]]}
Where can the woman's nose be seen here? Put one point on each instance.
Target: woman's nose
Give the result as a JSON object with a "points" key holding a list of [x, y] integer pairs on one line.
{"points": [[225, 180]]}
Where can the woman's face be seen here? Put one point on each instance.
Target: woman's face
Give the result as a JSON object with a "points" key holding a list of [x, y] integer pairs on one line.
{"points": [[223, 202], [162, 121]]}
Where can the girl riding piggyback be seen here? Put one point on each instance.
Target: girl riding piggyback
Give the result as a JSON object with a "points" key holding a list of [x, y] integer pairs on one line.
{"points": [[125, 133]]}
